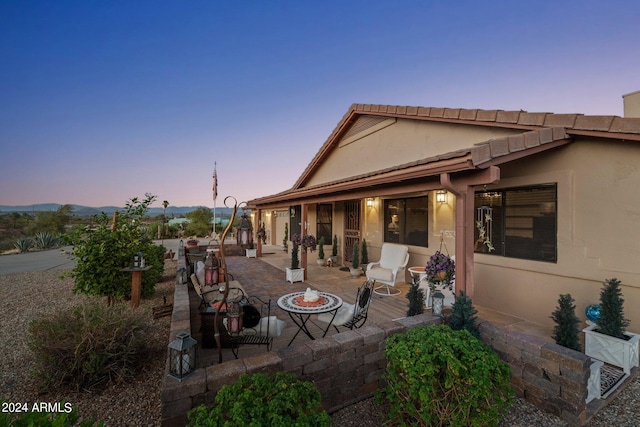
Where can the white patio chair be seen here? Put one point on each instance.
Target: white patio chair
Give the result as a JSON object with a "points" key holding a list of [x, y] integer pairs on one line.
{"points": [[393, 260]]}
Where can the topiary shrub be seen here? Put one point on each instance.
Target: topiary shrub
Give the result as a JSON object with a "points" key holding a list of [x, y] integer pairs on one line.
{"points": [[364, 259], [295, 261], [463, 315], [566, 332], [415, 297], [612, 321], [263, 400], [440, 377], [355, 257], [89, 345]]}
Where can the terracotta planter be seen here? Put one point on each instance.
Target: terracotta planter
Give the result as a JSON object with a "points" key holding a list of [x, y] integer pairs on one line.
{"points": [[441, 275]]}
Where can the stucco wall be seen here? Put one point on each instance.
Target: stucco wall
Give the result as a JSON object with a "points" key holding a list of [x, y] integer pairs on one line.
{"points": [[402, 142]]}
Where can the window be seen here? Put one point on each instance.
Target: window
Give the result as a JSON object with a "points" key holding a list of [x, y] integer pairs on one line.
{"points": [[324, 223], [517, 222], [406, 221]]}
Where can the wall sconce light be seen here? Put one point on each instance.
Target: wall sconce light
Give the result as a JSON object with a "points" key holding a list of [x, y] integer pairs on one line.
{"points": [[441, 196], [369, 202]]}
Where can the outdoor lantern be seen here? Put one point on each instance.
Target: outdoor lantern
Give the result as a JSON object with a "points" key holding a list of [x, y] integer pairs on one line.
{"points": [[181, 249], [234, 318], [441, 196], [438, 301], [211, 270], [182, 275], [369, 202], [138, 260], [245, 231], [182, 356]]}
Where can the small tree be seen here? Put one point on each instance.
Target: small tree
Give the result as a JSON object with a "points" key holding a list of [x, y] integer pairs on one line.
{"points": [[365, 254], [295, 261], [415, 297], [334, 248], [612, 321], [566, 332], [355, 262], [464, 315], [285, 241]]}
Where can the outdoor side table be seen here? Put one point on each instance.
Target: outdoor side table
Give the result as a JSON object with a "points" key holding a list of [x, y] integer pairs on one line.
{"points": [[136, 283], [300, 311]]}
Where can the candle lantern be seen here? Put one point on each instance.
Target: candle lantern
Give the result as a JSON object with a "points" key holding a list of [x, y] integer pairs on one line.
{"points": [[211, 270], [234, 318], [245, 231], [181, 249], [438, 301], [182, 275], [138, 260], [182, 356]]}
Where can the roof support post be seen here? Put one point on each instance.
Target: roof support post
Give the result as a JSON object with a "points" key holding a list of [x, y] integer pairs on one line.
{"points": [[303, 232], [463, 188]]}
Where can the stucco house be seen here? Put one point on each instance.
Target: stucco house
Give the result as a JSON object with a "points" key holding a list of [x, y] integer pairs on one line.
{"points": [[532, 205]]}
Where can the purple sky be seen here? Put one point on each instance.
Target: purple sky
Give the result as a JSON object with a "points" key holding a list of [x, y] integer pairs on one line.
{"points": [[102, 101]]}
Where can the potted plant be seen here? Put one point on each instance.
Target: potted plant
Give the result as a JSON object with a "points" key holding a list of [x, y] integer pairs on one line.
{"points": [[334, 250], [320, 259], [364, 259], [192, 243], [262, 234], [251, 251], [608, 340], [295, 273], [566, 332], [355, 262], [285, 241], [440, 270]]}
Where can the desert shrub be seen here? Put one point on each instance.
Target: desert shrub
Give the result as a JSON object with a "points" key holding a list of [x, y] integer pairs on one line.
{"points": [[46, 240], [263, 400], [463, 315], [103, 249], [23, 244], [23, 415], [437, 376], [566, 332], [88, 345]]}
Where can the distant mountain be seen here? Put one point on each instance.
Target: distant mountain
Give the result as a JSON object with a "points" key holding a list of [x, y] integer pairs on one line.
{"points": [[79, 210]]}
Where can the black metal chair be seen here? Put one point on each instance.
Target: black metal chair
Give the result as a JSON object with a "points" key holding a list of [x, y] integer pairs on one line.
{"points": [[352, 315]]}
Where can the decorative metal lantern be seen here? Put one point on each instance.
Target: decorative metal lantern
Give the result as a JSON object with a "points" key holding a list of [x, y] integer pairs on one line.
{"points": [[438, 302], [182, 356], [234, 318], [181, 249], [211, 270], [182, 275], [138, 260], [245, 231]]}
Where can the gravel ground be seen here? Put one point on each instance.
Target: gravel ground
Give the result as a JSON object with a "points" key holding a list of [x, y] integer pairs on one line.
{"points": [[27, 296]]}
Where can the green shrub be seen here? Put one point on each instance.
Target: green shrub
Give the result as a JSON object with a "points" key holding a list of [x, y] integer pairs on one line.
{"points": [[44, 419], [23, 244], [415, 297], [365, 254], [263, 400], [612, 321], [463, 315], [295, 261], [355, 257], [440, 377], [566, 332], [46, 240], [88, 345], [321, 248]]}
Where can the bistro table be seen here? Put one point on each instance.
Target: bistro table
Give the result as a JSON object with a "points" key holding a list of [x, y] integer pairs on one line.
{"points": [[300, 311]]}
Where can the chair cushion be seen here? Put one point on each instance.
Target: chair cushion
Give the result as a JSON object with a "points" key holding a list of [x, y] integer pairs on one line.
{"points": [[200, 272], [267, 325], [345, 313], [379, 273]]}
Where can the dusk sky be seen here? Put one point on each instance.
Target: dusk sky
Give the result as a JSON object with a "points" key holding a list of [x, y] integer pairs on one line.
{"points": [[102, 101]]}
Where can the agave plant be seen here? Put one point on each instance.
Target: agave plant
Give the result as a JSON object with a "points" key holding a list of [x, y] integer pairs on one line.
{"points": [[23, 244], [46, 240]]}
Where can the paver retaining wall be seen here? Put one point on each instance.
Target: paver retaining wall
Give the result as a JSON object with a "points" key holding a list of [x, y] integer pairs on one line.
{"points": [[348, 367]]}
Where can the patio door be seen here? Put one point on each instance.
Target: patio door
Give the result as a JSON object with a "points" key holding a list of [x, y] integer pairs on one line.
{"points": [[351, 228]]}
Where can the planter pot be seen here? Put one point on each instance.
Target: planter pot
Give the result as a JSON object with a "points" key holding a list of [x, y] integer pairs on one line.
{"points": [[320, 261], [251, 253], [611, 350], [355, 272], [296, 275]]}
